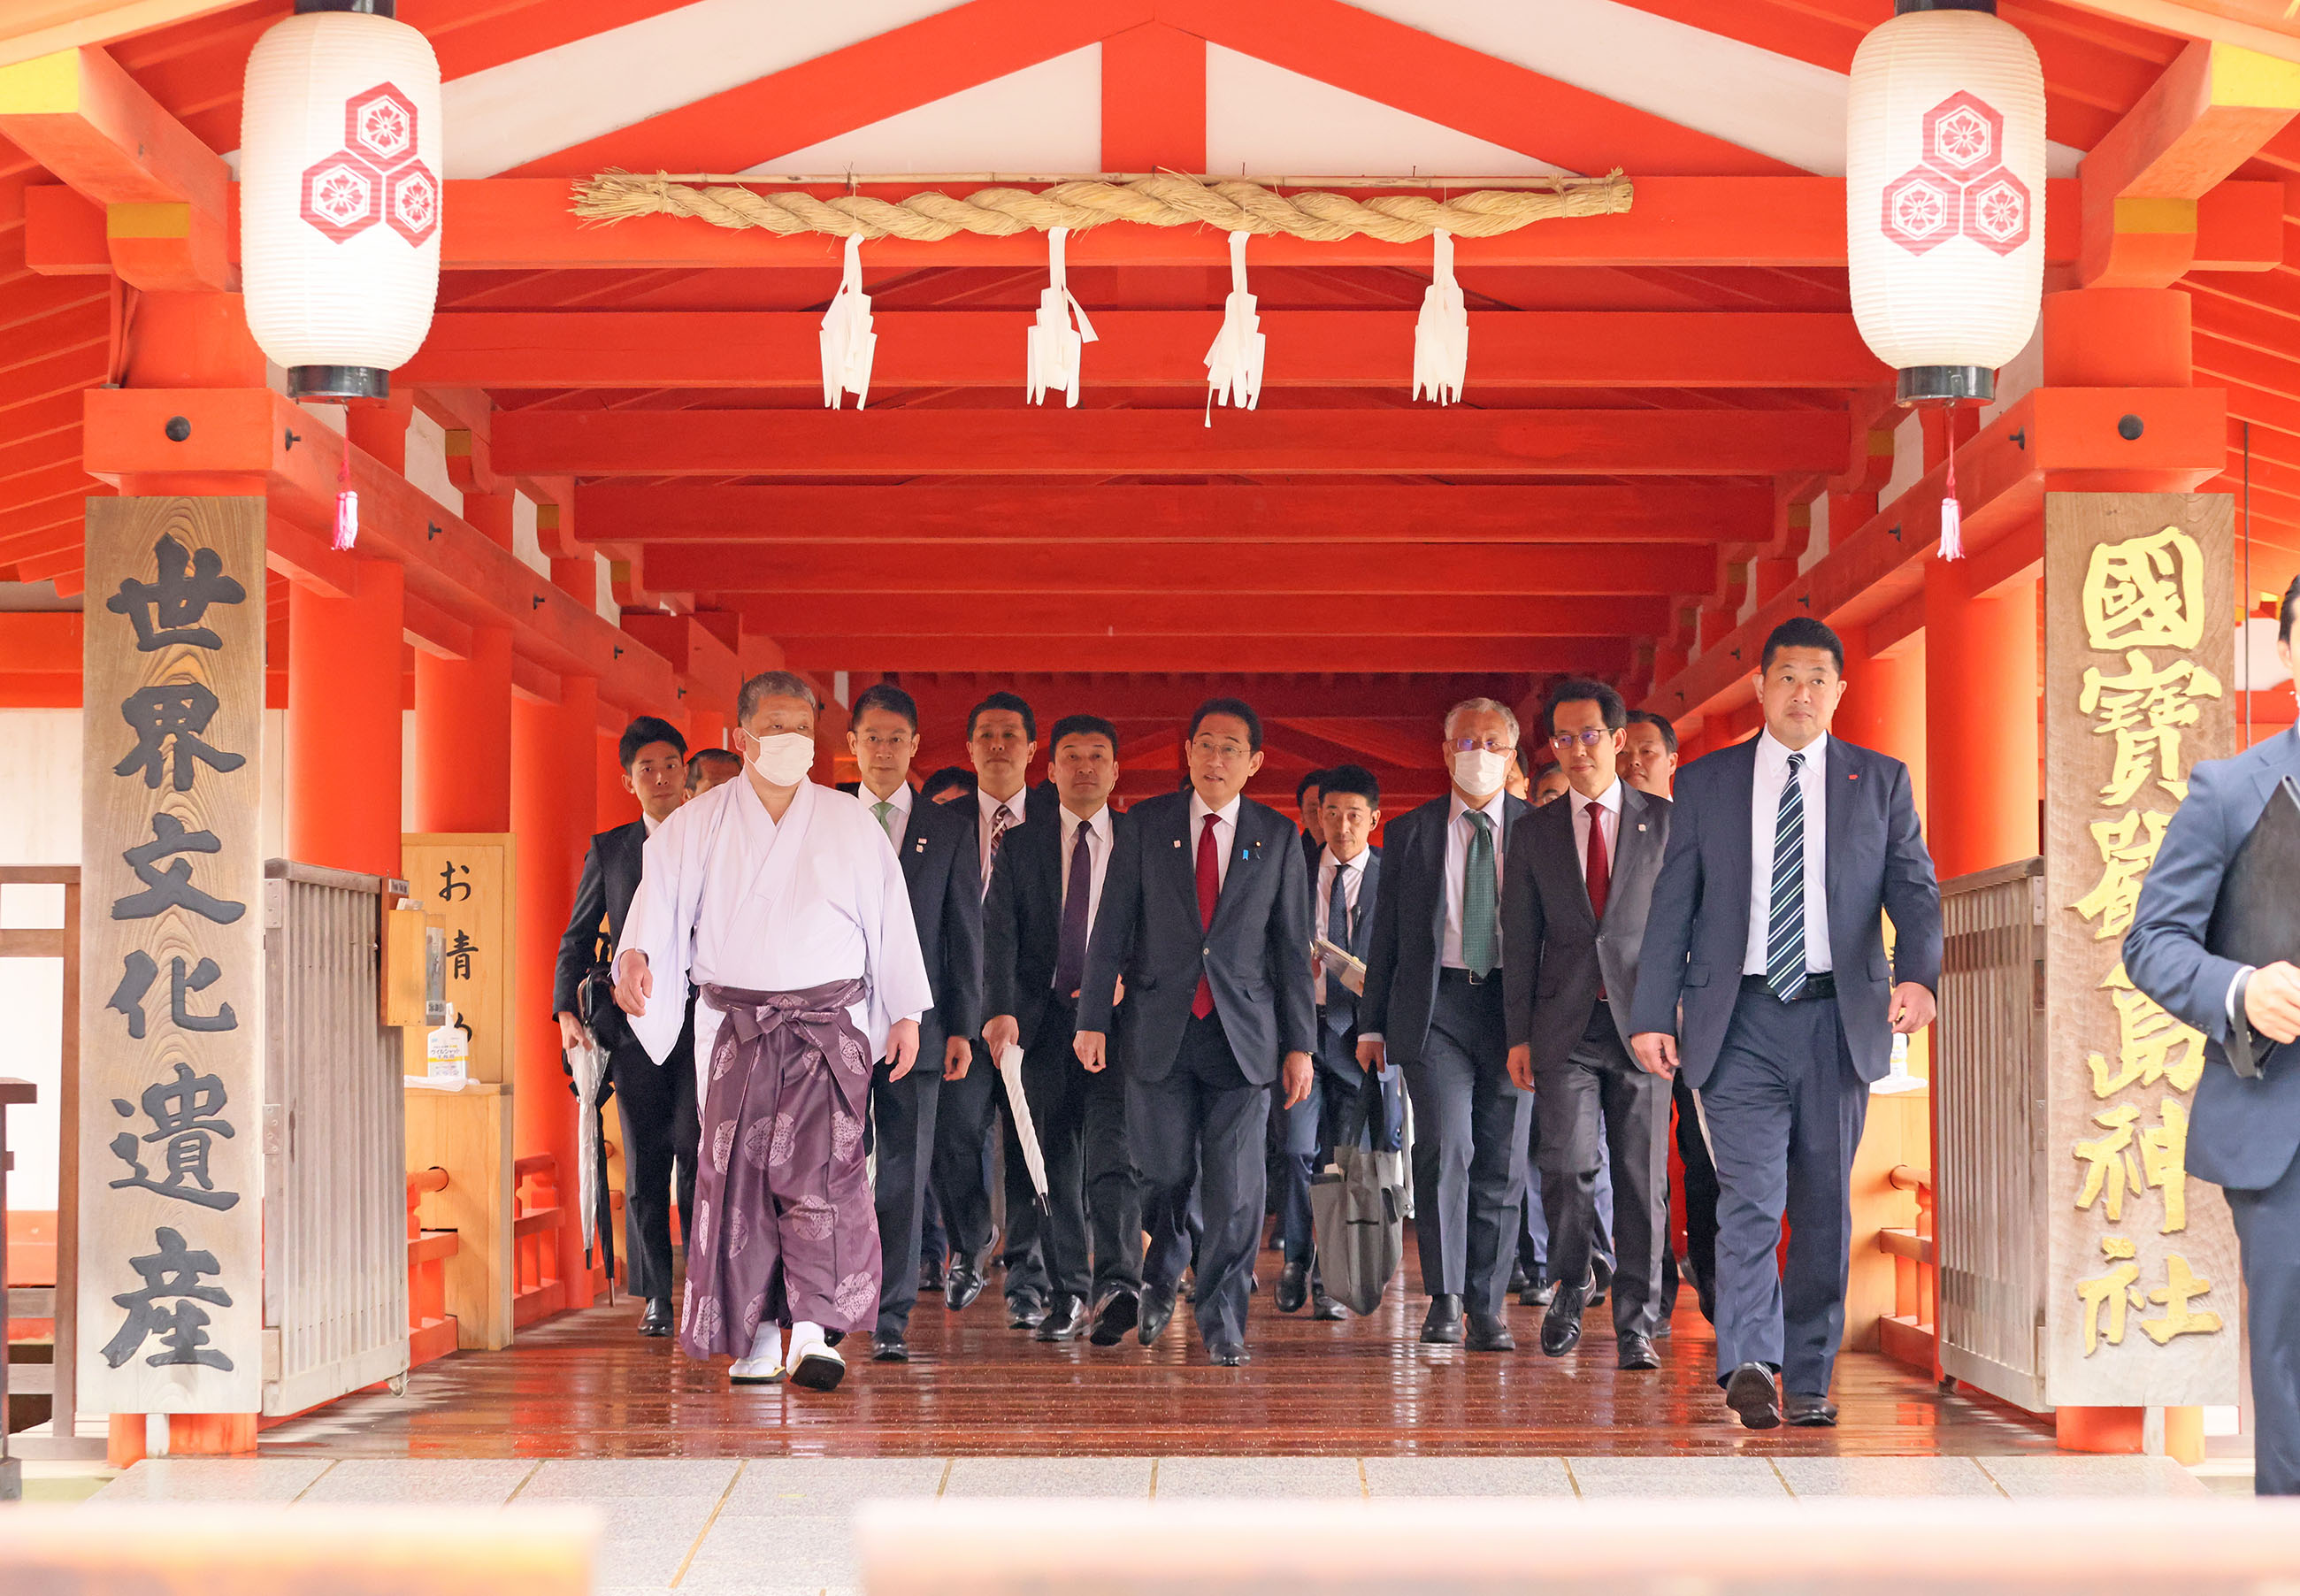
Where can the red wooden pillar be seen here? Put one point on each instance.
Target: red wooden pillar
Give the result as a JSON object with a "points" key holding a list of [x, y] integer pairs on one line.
{"points": [[344, 695], [616, 804], [1884, 705], [553, 804], [462, 737]]}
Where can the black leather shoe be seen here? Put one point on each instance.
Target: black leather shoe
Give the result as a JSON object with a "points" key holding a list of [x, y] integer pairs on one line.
{"points": [[890, 1347], [962, 1285], [1117, 1315], [931, 1280], [1293, 1289], [1489, 1332], [1538, 1294], [1025, 1313], [1324, 1309], [1157, 1311], [654, 1319], [1227, 1355], [1600, 1278], [1809, 1413], [1518, 1280], [1752, 1394], [1561, 1326], [1637, 1353], [1443, 1325], [1065, 1321]]}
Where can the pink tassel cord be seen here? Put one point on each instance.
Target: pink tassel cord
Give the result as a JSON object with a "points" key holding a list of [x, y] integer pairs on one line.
{"points": [[347, 502]]}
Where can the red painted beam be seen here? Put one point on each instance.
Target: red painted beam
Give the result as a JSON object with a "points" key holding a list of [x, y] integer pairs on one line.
{"points": [[1018, 442], [1028, 613], [523, 224], [1136, 349], [944, 697], [1293, 512], [1217, 574], [1221, 655]]}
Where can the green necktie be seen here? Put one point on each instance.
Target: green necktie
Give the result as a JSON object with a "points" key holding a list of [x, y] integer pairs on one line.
{"points": [[885, 810], [1479, 918]]}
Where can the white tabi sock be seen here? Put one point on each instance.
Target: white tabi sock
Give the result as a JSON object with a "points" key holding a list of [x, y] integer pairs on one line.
{"points": [[805, 1333], [766, 1351]]}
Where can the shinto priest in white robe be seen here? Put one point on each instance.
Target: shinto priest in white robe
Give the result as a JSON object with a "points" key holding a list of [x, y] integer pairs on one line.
{"points": [[797, 936]]}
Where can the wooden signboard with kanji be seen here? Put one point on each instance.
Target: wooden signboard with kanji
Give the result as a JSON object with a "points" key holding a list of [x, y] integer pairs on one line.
{"points": [[2142, 1294], [463, 880], [171, 955]]}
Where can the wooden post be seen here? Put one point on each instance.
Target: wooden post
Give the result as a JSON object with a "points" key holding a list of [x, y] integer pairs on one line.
{"points": [[462, 737], [171, 1013], [2143, 1307], [344, 688]]}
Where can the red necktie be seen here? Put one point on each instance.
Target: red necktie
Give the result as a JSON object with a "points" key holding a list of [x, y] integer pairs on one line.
{"points": [[1209, 892], [1600, 871]]}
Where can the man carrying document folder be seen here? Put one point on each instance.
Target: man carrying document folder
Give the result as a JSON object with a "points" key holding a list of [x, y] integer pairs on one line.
{"points": [[1346, 1103]]}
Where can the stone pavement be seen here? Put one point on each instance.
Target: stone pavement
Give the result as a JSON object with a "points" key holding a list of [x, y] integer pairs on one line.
{"points": [[780, 1527]]}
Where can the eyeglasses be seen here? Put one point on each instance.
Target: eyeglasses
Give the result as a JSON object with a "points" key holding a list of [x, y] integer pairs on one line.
{"points": [[1220, 750], [1588, 736], [1473, 745]]}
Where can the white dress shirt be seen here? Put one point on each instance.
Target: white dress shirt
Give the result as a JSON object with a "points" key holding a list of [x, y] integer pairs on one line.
{"points": [[1353, 873], [1225, 835], [986, 808], [1772, 774], [1099, 838], [1606, 808], [1457, 862], [651, 822], [898, 817]]}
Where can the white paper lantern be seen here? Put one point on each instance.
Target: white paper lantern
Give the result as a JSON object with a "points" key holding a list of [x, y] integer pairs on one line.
{"points": [[340, 195], [1945, 196]]}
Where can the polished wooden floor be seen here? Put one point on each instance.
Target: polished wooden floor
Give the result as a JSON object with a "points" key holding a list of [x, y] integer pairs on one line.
{"points": [[584, 1385]]}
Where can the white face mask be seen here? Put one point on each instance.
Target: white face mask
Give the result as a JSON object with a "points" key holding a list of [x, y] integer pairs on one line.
{"points": [[1481, 772], [784, 758]]}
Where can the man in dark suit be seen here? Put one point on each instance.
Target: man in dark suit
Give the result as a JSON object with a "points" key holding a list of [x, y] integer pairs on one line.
{"points": [[1649, 764], [1433, 1005], [1205, 916], [936, 847], [1037, 922], [1785, 852], [1346, 1104], [1308, 802], [656, 1102], [1579, 879], [2244, 1131], [1002, 739]]}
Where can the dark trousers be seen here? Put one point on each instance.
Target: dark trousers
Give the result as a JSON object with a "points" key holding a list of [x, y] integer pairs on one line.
{"points": [[1598, 1110], [903, 1132], [1533, 1236], [1205, 1121], [2268, 1232], [973, 1111], [1469, 1146], [1021, 1256], [656, 1105], [1700, 1186], [1785, 1110], [1090, 1239]]}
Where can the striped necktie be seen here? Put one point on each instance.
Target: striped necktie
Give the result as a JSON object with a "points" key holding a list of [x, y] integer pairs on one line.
{"points": [[1784, 930]]}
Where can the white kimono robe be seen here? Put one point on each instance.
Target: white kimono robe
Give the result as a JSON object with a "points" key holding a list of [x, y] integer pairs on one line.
{"points": [[729, 897]]}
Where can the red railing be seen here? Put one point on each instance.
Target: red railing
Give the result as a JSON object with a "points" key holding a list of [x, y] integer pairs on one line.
{"points": [[1908, 1333], [430, 1327], [536, 1289]]}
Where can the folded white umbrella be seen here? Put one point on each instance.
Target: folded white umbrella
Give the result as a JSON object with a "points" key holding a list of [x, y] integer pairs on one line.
{"points": [[1034, 1157]]}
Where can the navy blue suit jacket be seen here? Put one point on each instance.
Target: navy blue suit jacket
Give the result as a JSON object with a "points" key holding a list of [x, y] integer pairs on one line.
{"points": [[1698, 926], [1256, 956], [1339, 1015], [2241, 1133], [1022, 918]]}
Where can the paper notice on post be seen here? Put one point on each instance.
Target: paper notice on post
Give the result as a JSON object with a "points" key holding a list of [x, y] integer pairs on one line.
{"points": [[1341, 964]]}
